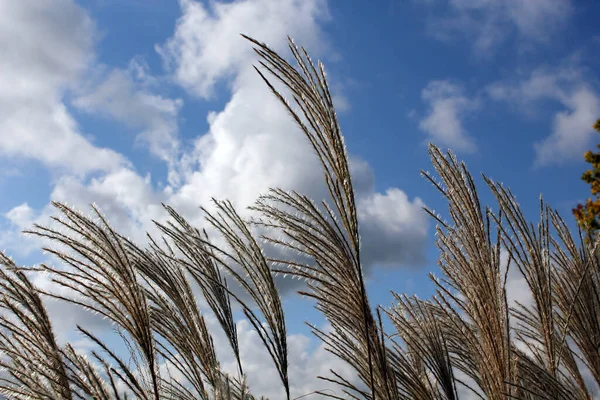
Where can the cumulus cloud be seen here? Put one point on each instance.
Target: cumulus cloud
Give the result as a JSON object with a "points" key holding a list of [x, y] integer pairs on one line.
{"points": [[489, 23], [21, 215], [126, 96], [571, 127], [392, 228], [307, 359], [124, 197], [206, 46], [517, 289], [448, 106], [18, 218], [46, 47], [251, 145]]}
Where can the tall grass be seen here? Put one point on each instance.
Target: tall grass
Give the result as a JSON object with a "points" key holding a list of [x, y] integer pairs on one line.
{"points": [[466, 340]]}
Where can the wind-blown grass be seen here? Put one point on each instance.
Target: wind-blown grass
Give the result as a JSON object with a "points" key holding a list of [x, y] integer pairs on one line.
{"points": [[466, 339]]}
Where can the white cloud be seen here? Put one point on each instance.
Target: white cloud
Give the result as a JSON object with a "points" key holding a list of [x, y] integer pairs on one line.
{"points": [[307, 359], [448, 106], [489, 23], [21, 215], [393, 228], [571, 127], [46, 46], [341, 103], [517, 289], [123, 96], [125, 198], [206, 46], [251, 145], [19, 218]]}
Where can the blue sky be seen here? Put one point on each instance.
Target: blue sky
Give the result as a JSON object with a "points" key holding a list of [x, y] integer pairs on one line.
{"points": [[128, 103]]}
